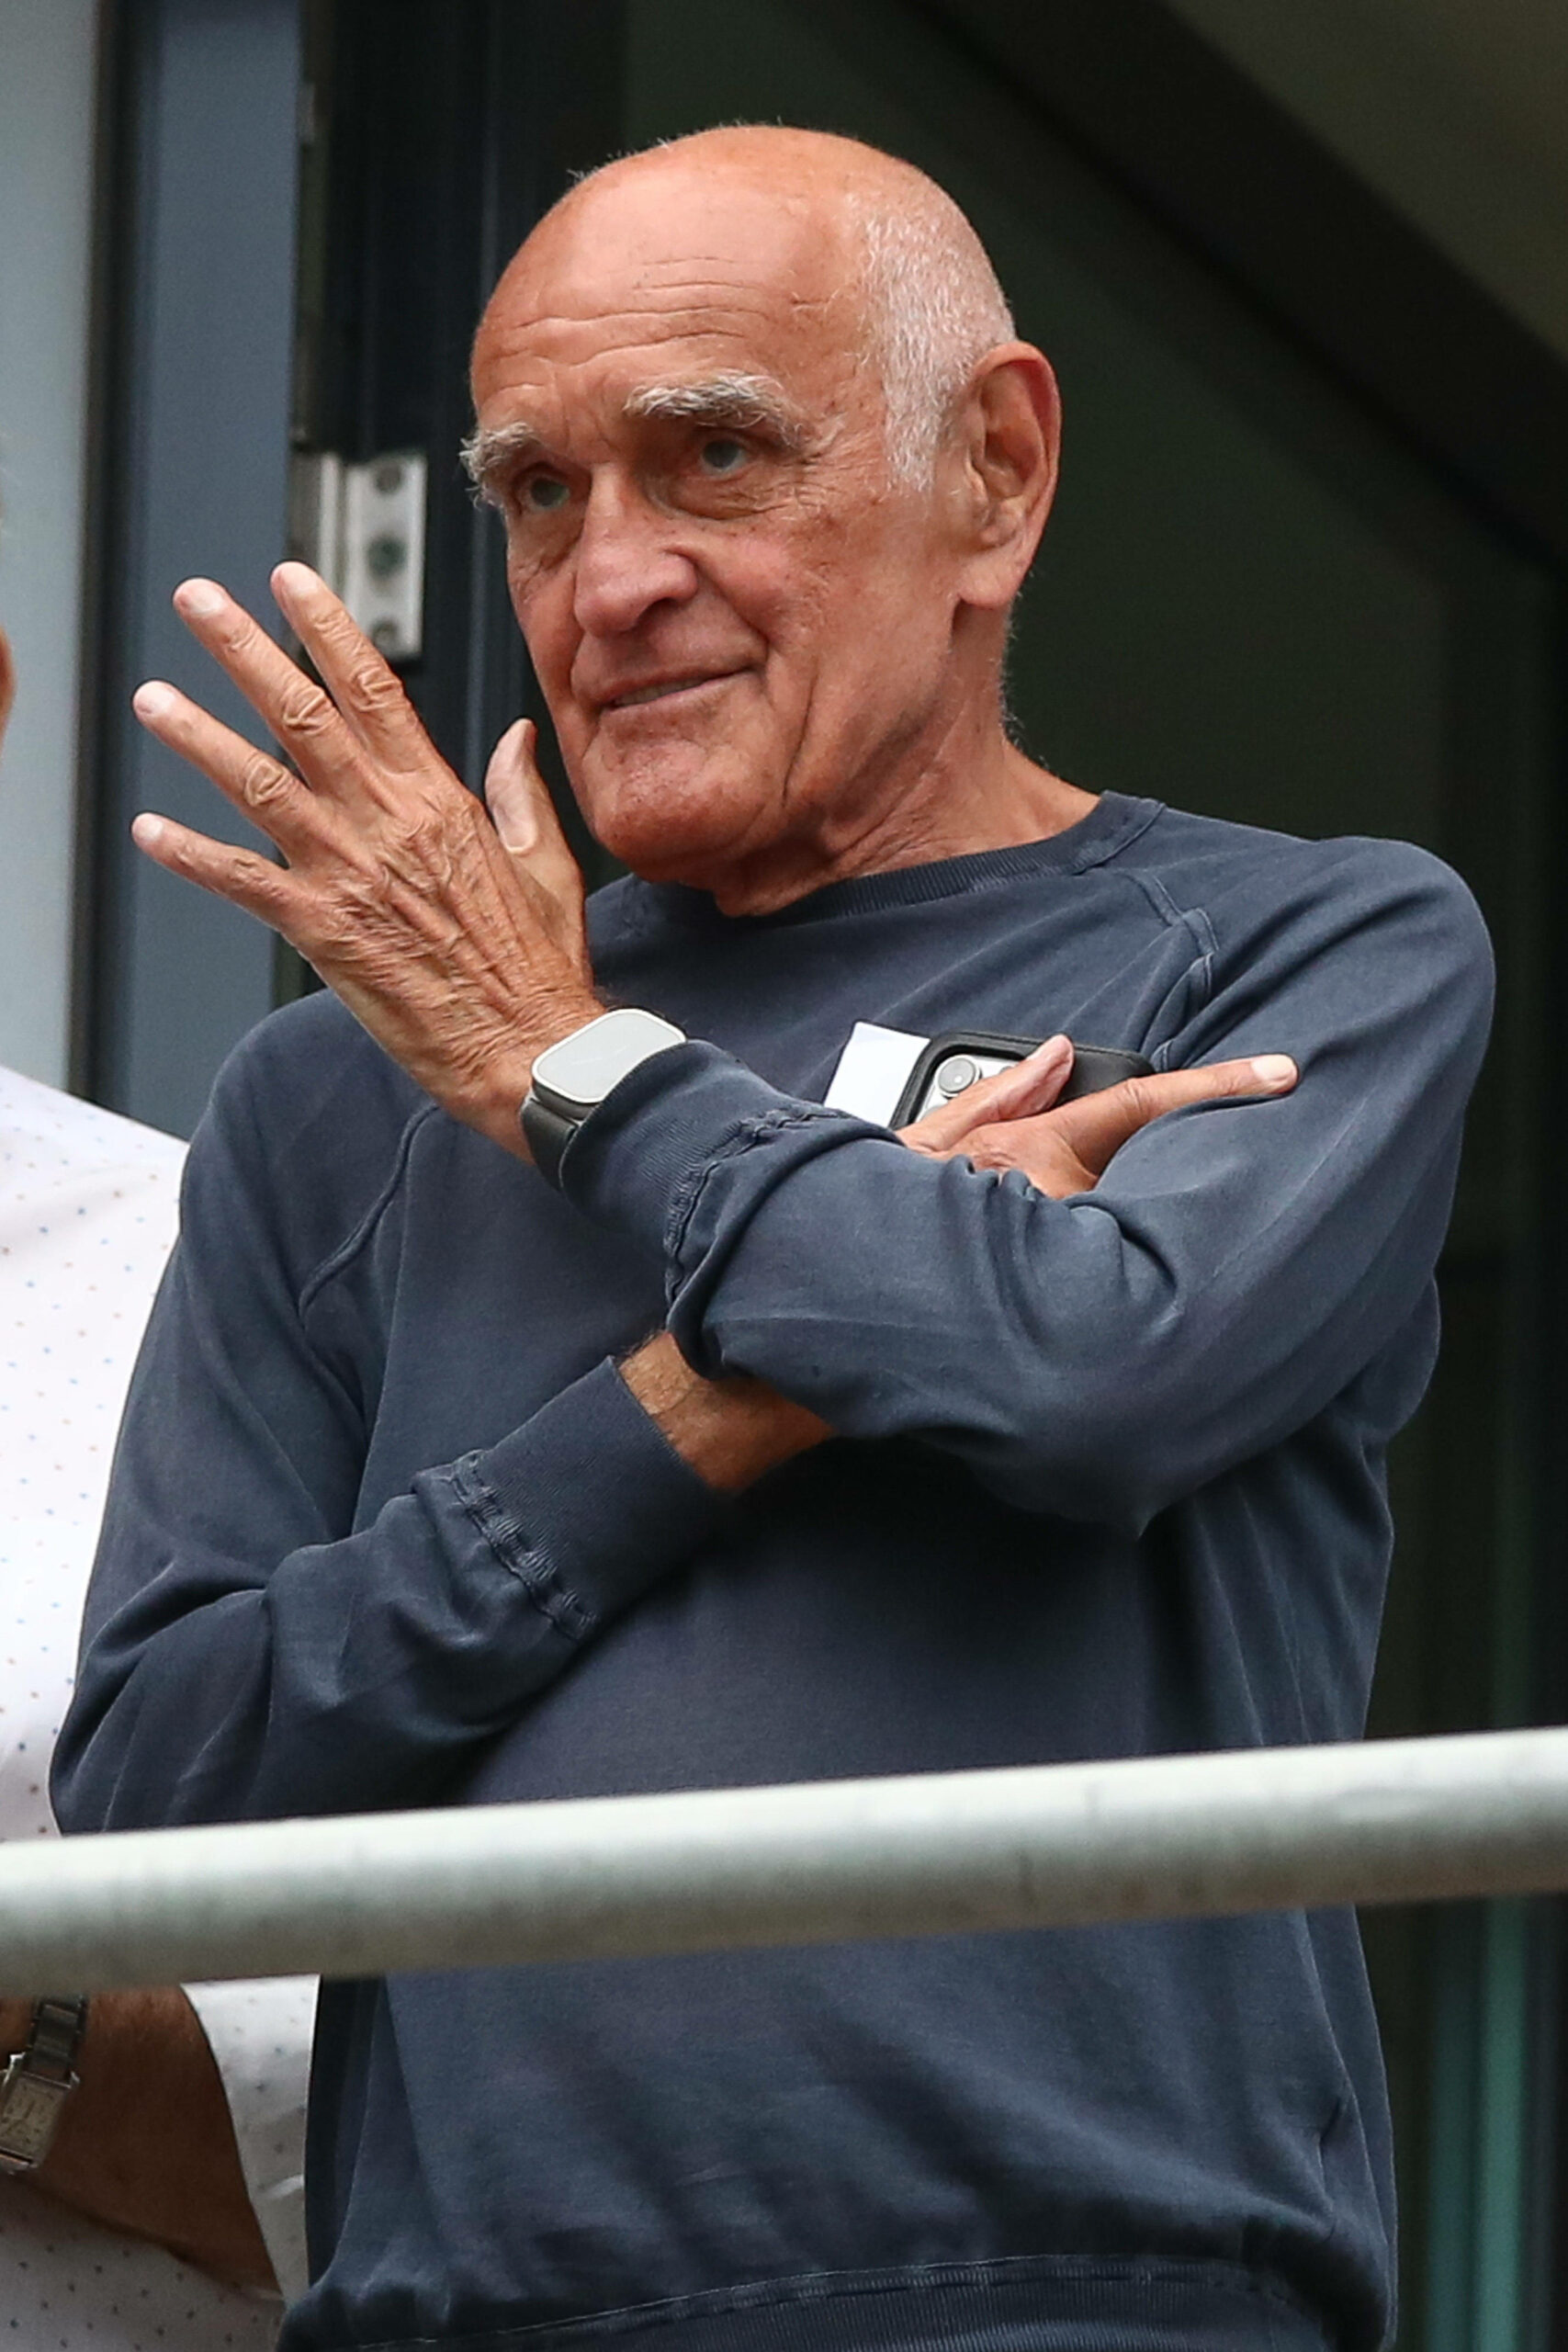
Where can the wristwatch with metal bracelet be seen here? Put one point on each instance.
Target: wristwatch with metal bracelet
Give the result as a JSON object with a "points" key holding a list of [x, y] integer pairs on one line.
{"points": [[573, 1078], [39, 2080]]}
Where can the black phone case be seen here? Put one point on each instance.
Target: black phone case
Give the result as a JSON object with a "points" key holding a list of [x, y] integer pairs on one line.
{"points": [[1094, 1066]]}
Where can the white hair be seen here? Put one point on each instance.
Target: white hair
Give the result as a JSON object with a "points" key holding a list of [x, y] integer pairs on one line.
{"points": [[933, 308]]}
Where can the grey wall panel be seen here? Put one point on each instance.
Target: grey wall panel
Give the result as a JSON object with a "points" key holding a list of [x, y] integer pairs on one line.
{"points": [[48, 60], [199, 417]]}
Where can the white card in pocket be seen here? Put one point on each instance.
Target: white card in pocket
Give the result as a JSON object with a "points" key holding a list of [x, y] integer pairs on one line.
{"points": [[872, 1071]]}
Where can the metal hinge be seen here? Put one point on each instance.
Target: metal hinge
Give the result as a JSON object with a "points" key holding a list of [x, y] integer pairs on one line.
{"points": [[362, 528]]}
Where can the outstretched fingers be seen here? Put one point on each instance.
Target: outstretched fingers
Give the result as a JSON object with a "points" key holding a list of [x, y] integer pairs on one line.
{"points": [[304, 720], [260, 785], [367, 697], [242, 875]]}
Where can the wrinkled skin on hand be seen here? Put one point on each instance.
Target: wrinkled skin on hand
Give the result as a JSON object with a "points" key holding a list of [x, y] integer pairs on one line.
{"points": [[453, 935]]}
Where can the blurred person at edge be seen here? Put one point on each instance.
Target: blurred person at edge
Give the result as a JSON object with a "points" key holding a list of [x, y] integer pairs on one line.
{"points": [[1041, 1430], [169, 2201]]}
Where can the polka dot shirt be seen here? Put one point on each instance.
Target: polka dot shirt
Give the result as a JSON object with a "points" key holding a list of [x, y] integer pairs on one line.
{"points": [[87, 1213]]}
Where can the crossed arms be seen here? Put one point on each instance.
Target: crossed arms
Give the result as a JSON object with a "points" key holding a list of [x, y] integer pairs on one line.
{"points": [[996, 1319]]}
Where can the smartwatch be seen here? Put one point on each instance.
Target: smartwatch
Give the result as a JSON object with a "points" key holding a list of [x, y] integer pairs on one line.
{"points": [[573, 1078], [39, 2080]]}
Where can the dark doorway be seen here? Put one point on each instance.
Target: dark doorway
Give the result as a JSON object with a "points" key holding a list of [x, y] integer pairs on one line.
{"points": [[1257, 599]]}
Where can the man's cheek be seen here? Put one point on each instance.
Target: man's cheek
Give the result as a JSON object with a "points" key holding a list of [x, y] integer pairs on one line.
{"points": [[543, 616]]}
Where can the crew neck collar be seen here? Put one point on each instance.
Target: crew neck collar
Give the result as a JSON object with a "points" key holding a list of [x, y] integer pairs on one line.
{"points": [[1114, 821]]}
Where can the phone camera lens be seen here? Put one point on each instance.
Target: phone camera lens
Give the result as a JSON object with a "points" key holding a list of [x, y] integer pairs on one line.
{"points": [[955, 1075]]}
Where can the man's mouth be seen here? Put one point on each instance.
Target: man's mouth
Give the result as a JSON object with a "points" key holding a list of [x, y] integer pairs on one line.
{"points": [[663, 688]]}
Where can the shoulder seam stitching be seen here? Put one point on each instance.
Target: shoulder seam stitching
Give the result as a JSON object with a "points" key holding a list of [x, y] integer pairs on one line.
{"points": [[1195, 920], [337, 1260]]}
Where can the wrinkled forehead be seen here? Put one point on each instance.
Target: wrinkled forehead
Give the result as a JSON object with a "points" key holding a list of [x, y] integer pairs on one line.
{"points": [[756, 277]]}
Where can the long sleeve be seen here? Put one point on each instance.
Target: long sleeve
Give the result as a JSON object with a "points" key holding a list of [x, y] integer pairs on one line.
{"points": [[249, 1652], [1097, 1357]]}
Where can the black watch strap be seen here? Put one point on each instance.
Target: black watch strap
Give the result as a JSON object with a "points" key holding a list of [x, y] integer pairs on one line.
{"points": [[547, 1133], [571, 1078]]}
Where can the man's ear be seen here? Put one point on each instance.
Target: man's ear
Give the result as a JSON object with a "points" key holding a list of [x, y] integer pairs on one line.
{"points": [[8, 680], [1009, 440]]}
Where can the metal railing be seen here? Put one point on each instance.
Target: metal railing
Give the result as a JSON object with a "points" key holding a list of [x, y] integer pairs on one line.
{"points": [[1055, 1846]]}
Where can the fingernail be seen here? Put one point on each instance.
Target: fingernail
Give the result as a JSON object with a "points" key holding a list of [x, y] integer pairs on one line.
{"points": [[1051, 1049], [200, 597], [146, 829], [151, 699], [1274, 1069]]}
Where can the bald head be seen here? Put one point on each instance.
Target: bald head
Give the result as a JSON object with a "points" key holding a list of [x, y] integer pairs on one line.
{"points": [[771, 469], [914, 296]]}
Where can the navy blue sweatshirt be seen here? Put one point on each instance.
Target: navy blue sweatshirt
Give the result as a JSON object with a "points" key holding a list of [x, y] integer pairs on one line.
{"points": [[388, 1529]]}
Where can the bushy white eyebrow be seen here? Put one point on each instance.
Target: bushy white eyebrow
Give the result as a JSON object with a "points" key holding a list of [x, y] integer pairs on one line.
{"points": [[743, 404], [749, 403], [487, 454]]}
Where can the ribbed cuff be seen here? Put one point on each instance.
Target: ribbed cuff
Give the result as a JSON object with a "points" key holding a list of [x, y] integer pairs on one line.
{"points": [[589, 1503], [639, 1161]]}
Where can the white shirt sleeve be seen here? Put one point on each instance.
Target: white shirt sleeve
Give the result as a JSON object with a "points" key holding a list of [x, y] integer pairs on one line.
{"points": [[87, 1213], [259, 2034]]}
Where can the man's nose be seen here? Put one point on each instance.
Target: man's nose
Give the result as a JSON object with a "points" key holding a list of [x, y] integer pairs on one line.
{"points": [[626, 564]]}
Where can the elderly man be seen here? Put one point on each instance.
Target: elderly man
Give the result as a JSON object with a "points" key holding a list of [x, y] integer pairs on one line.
{"points": [[1045, 1430]]}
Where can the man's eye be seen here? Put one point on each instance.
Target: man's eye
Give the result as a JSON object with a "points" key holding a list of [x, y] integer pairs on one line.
{"points": [[543, 493], [723, 455]]}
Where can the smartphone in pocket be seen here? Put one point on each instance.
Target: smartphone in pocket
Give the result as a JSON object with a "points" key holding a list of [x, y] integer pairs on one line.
{"points": [[950, 1065]]}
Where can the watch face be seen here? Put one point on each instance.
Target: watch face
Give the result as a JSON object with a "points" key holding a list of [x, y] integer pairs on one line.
{"points": [[579, 1072], [29, 2111]]}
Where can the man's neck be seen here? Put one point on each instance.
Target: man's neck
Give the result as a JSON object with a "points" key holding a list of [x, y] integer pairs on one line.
{"points": [[969, 798]]}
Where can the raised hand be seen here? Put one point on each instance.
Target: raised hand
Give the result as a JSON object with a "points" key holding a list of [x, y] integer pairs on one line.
{"points": [[1014, 1121], [457, 940]]}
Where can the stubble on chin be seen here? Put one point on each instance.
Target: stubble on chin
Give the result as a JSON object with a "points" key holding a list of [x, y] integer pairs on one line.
{"points": [[672, 819]]}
